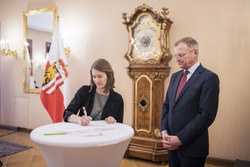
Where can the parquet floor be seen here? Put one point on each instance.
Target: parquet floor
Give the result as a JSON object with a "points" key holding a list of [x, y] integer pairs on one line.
{"points": [[33, 157]]}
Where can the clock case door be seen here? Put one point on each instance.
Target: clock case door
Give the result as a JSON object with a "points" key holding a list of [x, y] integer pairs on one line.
{"points": [[148, 74]]}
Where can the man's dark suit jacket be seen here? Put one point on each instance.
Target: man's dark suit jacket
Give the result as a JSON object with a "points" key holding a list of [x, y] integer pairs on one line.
{"points": [[193, 112]]}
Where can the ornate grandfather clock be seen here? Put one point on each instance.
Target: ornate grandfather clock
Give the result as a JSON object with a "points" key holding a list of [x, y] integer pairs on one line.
{"points": [[148, 56]]}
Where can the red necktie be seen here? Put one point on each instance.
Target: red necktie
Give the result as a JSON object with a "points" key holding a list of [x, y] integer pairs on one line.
{"points": [[181, 84]]}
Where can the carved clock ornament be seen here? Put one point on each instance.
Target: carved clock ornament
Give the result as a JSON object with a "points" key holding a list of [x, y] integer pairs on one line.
{"points": [[148, 56]]}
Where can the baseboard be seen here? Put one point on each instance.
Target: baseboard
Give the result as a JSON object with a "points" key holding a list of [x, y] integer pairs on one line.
{"points": [[242, 163], [14, 128], [8, 127], [220, 162]]}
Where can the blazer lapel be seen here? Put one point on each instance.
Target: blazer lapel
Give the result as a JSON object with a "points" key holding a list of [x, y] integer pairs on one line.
{"points": [[194, 76]]}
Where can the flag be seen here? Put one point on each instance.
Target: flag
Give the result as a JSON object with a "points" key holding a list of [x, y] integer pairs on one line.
{"points": [[30, 79], [55, 91]]}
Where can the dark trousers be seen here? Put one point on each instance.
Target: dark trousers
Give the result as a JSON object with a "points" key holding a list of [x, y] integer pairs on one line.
{"points": [[177, 160]]}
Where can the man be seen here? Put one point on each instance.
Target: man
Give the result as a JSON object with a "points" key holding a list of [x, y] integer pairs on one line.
{"points": [[188, 112]]}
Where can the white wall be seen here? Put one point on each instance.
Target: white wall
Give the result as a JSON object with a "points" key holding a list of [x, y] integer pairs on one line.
{"points": [[94, 29]]}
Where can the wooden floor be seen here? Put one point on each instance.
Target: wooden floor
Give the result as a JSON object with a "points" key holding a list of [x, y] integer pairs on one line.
{"points": [[33, 157]]}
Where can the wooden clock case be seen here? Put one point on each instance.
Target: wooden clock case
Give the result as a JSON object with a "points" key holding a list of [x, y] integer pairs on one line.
{"points": [[148, 77]]}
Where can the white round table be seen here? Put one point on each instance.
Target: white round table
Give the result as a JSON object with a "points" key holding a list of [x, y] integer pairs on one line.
{"points": [[72, 145]]}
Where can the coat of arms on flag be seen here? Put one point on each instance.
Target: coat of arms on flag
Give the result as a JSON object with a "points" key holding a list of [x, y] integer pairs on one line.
{"points": [[54, 76], [55, 89]]}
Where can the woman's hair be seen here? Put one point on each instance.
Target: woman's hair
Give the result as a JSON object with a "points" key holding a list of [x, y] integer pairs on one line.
{"points": [[189, 41], [103, 66]]}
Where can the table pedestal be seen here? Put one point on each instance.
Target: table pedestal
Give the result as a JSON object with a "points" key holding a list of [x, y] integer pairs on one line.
{"points": [[108, 156]]}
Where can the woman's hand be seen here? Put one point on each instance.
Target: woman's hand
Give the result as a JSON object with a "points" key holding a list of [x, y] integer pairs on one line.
{"points": [[84, 120], [110, 120]]}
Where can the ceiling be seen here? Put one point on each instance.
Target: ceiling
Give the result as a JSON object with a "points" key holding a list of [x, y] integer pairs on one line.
{"points": [[41, 22]]}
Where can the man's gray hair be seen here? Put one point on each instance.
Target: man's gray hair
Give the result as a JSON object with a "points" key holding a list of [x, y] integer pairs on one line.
{"points": [[189, 41]]}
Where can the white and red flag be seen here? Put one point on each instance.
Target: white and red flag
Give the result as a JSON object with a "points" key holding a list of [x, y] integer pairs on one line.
{"points": [[55, 90]]}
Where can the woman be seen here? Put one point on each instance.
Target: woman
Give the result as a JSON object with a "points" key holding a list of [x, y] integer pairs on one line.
{"points": [[99, 99]]}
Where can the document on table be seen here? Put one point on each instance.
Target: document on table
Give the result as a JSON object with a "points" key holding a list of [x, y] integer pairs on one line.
{"points": [[95, 128]]}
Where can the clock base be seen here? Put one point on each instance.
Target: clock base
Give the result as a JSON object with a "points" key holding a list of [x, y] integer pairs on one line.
{"points": [[147, 148]]}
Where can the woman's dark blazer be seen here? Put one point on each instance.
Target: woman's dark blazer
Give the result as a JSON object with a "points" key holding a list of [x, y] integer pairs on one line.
{"points": [[83, 98]]}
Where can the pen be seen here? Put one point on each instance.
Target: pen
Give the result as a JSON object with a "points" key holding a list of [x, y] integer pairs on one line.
{"points": [[60, 133], [84, 110]]}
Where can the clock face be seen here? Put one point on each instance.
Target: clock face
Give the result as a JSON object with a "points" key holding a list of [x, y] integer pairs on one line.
{"points": [[145, 40], [145, 44]]}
